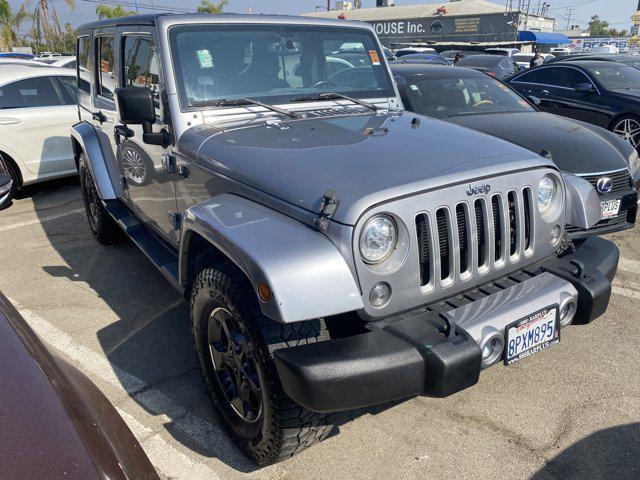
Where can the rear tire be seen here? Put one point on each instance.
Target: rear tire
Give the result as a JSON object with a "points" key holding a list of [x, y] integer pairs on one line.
{"points": [[16, 180], [104, 228], [628, 127], [271, 427]]}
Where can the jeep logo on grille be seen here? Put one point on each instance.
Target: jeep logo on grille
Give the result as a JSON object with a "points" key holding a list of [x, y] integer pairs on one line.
{"points": [[478, 189], [604, 185]]}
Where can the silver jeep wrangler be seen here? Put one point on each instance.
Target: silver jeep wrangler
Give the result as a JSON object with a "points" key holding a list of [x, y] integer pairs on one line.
{"points": [[337, 251]]}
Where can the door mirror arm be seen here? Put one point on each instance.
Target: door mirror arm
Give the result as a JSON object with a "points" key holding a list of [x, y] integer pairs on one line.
{"points": [[162, 138]]}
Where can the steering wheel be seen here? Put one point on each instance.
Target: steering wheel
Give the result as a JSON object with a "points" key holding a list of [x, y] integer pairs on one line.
{"points": [[482, 102], [325, 84], [358, 77]]}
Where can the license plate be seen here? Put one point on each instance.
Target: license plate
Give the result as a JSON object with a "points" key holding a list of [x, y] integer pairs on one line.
{"points": [[609, 208], [531, 334]]}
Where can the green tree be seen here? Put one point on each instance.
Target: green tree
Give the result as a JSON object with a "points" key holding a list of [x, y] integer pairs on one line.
{"points": [[105, 11], [10, 24], [208, 6], [598, 27], [46, 23]]}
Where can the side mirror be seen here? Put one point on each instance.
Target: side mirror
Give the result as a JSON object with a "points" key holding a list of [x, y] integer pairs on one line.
{"points": [[535, 100], [584, 88], [136, 106]]}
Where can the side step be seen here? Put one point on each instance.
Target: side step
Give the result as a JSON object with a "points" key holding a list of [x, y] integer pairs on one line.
{"points": [[160, 254]]}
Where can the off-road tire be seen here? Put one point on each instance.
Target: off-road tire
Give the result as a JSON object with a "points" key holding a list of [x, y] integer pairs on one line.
{"points": [[102, 225], [284, 428]]}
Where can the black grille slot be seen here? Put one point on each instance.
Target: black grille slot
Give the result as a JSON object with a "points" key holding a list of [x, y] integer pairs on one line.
{"points": [[422, 227], [443, 240], [497, 227], [513, 223], [527, 218], [621, 181], [462, 237], [480, 225]]}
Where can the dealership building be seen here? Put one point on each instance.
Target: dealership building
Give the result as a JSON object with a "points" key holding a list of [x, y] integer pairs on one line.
{"points": [[461, 23]]}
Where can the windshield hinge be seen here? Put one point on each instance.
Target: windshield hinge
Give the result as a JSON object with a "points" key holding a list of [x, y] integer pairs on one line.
{"points": [[326, 210], [175, 219]]}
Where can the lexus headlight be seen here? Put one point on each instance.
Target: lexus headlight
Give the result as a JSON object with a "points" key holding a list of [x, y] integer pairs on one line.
{"points": [[378, 238], [547, 193], [634, 163]]}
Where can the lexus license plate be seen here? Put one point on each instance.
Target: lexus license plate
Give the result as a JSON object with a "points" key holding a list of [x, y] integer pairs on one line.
{"points": [[531, 334], [609, 208]]}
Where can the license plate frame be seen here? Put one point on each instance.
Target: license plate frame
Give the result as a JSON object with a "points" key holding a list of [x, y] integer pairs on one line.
{"points": [[537, 316], [610, 212]]}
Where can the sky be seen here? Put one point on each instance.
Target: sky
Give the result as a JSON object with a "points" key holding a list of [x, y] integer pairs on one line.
{"points": [[616, 12]]}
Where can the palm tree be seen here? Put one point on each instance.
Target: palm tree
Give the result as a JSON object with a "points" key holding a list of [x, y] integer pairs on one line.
{"points": [[208, 6], [10, 24], [45, 21]]}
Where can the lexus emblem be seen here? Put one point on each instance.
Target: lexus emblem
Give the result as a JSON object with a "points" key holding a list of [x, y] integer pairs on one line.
{"points": [[604, 185]]}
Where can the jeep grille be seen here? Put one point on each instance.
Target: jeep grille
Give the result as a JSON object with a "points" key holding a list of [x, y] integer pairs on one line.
{"points": [[453, 240]]}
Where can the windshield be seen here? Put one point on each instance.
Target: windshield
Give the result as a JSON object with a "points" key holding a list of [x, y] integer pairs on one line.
{"points": [[615, 76], [462, 95], [275, 63]]}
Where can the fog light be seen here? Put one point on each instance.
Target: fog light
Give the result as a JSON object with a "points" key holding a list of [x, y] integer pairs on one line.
{"points": [[380, 295], [556, 234], [567, 311], [491, 349]]}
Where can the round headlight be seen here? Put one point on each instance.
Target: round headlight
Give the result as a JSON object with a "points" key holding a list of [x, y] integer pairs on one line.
{"points": [[547, 192], [378, 238]]}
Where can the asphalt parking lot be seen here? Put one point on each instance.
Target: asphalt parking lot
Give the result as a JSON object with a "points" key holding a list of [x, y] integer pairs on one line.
{"points": [[571, 412]]}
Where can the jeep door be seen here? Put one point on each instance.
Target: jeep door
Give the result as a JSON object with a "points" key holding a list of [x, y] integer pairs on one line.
{"points": [[150, 189]]}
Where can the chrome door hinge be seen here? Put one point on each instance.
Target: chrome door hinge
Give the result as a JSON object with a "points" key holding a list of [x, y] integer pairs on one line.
{"points": [[169, 163], [175, 219]]}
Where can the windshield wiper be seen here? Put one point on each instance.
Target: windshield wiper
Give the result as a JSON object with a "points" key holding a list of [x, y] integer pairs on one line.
{"points": [[335, 96], [238, 102]]}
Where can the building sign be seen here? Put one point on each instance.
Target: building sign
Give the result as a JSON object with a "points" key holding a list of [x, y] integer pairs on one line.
{"points": [[587, 44], [479, 28]]}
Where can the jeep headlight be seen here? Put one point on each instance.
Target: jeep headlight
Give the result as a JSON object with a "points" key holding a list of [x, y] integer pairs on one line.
{"points": [[547, 193], [634, 163], [378, 238]]}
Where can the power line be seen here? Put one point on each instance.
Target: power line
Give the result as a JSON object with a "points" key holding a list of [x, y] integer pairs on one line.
{"points": [[141, 6]]}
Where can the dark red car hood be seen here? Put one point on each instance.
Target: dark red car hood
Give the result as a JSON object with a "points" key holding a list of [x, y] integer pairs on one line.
{"points": [[52, 418]]}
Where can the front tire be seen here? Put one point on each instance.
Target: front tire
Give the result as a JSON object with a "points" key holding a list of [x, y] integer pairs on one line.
{"points": [[104, 228], [233, 342]]}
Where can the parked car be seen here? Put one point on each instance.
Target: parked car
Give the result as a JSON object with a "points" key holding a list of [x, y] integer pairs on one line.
{"points": [[503, 52], [473, 100], [55, 421], [47, 55], [606, 94], [318, 231], [37, 106], [523, 60], [493, 65], [388, 54], [20, 55], [62, 61], [631, 60], [19, 61], [5, 186], [422, 58], [401, 52]]}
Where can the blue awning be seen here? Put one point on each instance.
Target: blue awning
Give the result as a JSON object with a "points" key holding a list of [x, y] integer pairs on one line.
{"points": [[543, 37]]}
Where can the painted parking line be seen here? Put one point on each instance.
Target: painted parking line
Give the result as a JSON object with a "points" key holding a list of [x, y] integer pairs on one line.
{"points": [[35, 221], [164, 456]]}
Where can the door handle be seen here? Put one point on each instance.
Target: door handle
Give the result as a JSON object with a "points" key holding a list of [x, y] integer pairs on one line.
{"points": [[99, 116]]}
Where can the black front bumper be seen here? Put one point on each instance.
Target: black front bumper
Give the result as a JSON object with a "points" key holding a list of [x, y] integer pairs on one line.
{"points": [[418, 355]]}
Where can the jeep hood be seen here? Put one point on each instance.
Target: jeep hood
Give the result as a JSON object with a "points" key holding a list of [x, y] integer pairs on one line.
{"points": [[365, 159], [576, 147]]}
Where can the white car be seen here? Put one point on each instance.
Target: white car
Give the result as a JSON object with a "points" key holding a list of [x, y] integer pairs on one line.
{"points": [[66, 61], [37, 107], [409, 50], [523, 60], [505, 52]]}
